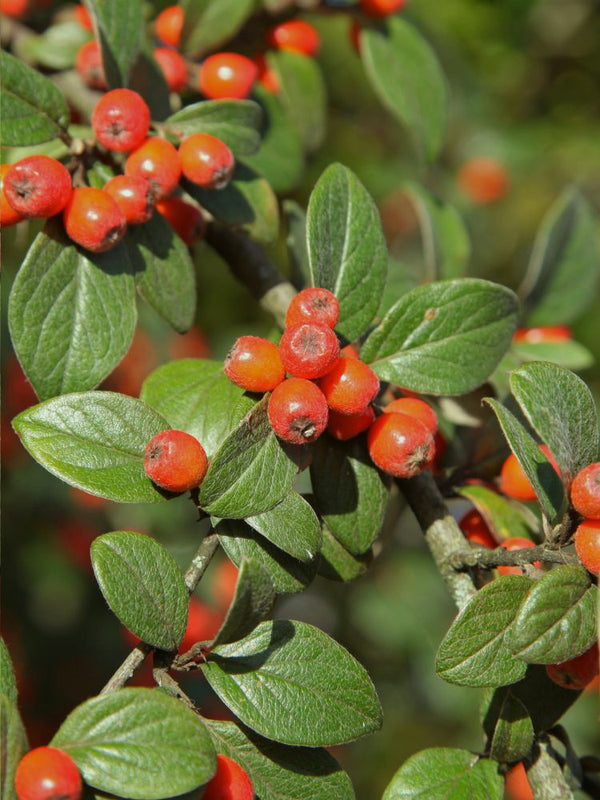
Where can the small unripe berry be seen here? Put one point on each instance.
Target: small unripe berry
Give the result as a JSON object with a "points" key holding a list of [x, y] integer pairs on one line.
{"points": [[173, 67], [381, 8], [577, 672], [37, 186], [349, 386], [169, 24], [585, 491], [185, 219], [309, 350], [175, 461], [475, 528], [516, 543], [313, 305], [8, 216], [347, 426], [83, 17], [414, 408], [227, 75], [400, 445], [254, 364], [206, 161], [513, 480], [483, 180], [295, 35], [47, 773], [298, 411], [550, 334], [120, 120], [88, 64], [230, 782], [157, 161], [133, 196], [587, 544], [94, 220]]}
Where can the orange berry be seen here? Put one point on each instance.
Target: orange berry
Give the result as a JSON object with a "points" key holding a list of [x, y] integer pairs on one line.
{"points": [[349, 352], [516, 543], [513, 480], [185, 219], [400, 445], [173, 67], [309, 350], [227, 75], [297, 411], [120, 120], [83, 17], [94, 220], [414, 408], [381, 8], [483, 180], [516, 783], [585, 491], [16, 9], [476, 529], [8, 216], [37, 186], [577, 672], [47, 773], [175, 461], [350, 386], [254, 364], [313, 305], [206, 161], [88, 64], [157, 161], [267, 77], [347, 426], [550, 334], [295, 35], [203, 624], [224, 583], [169, 24], [133, 196], [587, 544], [230, 782]]}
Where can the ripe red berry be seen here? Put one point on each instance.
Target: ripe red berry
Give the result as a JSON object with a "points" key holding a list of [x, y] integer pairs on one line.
{"points": [[185, 219], [585, 491], [516, 543], [224, 583], [414, 408], [16, 9], [254, 364], [309, 350], [157, 161], [267, 77], [133, 196], [381, 8], [8, 216], [516, 784], [230, 782], [349, 386], [203, 624], [88, 64], [587, 544], [120, 120], [37, 186], [513, 480], [577, 672], [349, 352], [173, 67], [169, 24], [313, 305], [206, 161], [175, 461], [94, 220], [483, 180], [476, 529], [227, 75], [297, 411], [347, 426], [83, 17], [295, 35], [550, 334], [47, 773], [400, 445]]}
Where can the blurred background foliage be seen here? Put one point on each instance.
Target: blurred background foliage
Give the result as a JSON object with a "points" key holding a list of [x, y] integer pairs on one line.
{"points": [[524, 82]]}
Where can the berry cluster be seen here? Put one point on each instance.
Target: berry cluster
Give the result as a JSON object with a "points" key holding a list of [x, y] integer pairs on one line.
{"points": [[585, 499]]}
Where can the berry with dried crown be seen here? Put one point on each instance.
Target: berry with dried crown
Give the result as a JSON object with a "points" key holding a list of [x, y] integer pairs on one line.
{"points": [[175, 461]]}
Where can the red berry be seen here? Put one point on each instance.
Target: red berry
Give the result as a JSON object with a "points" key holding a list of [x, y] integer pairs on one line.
{"points": [[347, 426], [483, 180], [16, 9], [313, 305], [8, 216], [267, 77], [516, 543], [309, 350], [295, 35], [173, 67], [175, 461], [224, 75], [381, 8], [88, 64], [516, 783], [224, 583], [585, 491], [349, 386], [185, 219], [550, 334], [230, 782], [400, 445], [47, 773], [83, 17], [206, 161], [203, 624], [513, 480], [414, 408], [254, 364], [120, 120], [94, 220], [298, 411], [37, 186], [157, 161], [354, 35], [133, 196], [587, 544], [349, 352], [577, 672], [476, 529], [169, 24]]}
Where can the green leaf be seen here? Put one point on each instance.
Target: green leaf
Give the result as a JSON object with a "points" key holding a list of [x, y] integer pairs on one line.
{"points": [[337, 563], [350, 492], [445, 773], [279, 772], [247, 202], [120, 31], [562, 411], [287, 574], [32, 109], [164, 272], [346, 247], [474, 652], [235, 122], [250, 472], [557, 620], [209, 23], [195, 396], [71, 314], [143, 587], [252, 603], [148, 80], [302, 94], [513, 734], [562, 276], [94, 441], [290, 682], [138, 743], [569, 354], [292, 526], [408, 79], [58, 46], [546, 483], [13, 745], [8, 683], [445, 337], [506, 518], [297, 246]]}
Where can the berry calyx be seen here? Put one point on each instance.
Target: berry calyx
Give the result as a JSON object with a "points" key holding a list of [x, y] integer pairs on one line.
{"points": [[400, 445], [175, 461], [414, 407], [513, 480], [587, 544], [185, 219], [295, 35], [585, 491], [173, 67], [347, 426], [577, 672], [88, 64], [37, 186], [516, 543], [169, 24], [476, 529], [309, 350], [230, 782], [313, 305], [381, 8], [8, 216], [157, 161], [120, 120], [227, 75], [254, 364], [47, 773], [483, 180], [133, 196], [297, 411], [206, 161], [350, 386], [93, 219], [549, 334]]}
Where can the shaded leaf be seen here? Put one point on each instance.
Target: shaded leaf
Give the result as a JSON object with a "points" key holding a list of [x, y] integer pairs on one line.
{"points": [[569, 354], [252, 603], [297, 247], [120, 30], [513, 734], [208, 23], [148, 80], [337, 563], [506, 518], [235, 122], [13, 745], [292, 526]]}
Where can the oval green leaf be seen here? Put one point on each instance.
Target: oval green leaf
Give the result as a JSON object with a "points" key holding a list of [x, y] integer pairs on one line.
{"points": [[252, 603], [513, 735], [235, 122], [208, 23], [569, 353], [120, 31], [338, 564], [292, 526], [505, 518]]}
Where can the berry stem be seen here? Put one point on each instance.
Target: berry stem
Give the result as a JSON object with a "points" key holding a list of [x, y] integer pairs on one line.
{"points": [[480, 557]]}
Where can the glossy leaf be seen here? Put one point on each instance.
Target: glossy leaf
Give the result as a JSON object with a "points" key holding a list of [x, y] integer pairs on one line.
{"points": [[505, 518], [143, 587], [235, 122], [154, 746], [120, 30], [292, 526], [513, 734], [290, 682], [32, 109], [252, 603], [443, 338], [557, 620], [71, 314], [209, 23], [474, 652], [94, 441], [337, 563]]}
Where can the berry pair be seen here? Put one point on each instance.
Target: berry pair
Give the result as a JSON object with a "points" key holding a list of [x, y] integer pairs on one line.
{"points": [[585, 498]]}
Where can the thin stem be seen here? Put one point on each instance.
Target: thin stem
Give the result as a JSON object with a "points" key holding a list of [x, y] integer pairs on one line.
{"points": [[201, 560], [487, 559], [133, 661]]}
